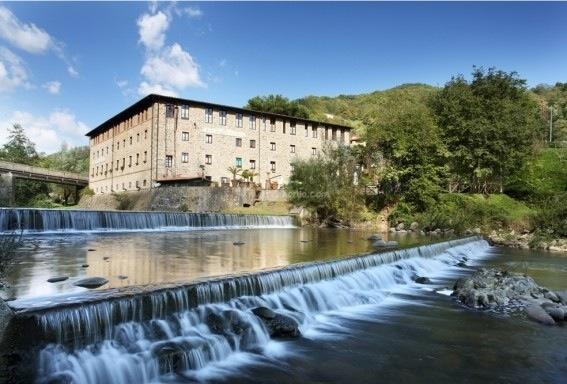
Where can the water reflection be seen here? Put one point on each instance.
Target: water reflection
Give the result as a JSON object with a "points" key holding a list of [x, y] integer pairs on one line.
{"points": [[148, 258]]}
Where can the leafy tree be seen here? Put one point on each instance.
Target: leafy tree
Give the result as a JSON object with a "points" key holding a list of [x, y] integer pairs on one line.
{"points": [[19, 148], [409, 142], [325, 184], [278, 104], [488, 125]]}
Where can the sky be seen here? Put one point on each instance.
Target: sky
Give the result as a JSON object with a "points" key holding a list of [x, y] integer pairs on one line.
{"points": [[66, 67]]}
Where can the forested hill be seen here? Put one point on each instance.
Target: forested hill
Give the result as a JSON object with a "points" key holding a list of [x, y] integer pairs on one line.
{"points": [[352, 110]]}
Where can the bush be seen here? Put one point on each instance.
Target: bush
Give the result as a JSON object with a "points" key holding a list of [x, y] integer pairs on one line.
{"points": [[125, 202], [86, 192], [551, 218]]}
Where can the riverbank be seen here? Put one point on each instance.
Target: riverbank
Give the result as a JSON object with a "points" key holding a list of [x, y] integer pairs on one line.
{"points": [[527, 240]]}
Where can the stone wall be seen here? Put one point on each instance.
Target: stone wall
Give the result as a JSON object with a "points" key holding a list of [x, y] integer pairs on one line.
{"points": [[191, 199], [275, 195]]}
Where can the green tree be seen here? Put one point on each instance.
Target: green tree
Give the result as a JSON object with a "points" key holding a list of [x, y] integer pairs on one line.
{"points": [[278, 104], [489, 126], [413, 155], [325, 184]]}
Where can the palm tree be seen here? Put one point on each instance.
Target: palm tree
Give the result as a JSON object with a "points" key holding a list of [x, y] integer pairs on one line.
{"points": [[234, 171]]}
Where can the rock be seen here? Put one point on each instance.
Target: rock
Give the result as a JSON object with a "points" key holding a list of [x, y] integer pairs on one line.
{"points": [[551, 296], [562, 295], [374, 237], [91, 250], [422, 280], [400, 226], [392, 229], [264, 313], [414, 226], [91, 282], [57, 279], [379, 244], [235, 322], [282, 326], [60, 378], [392, 244], [84, 266], [556, 312], [477, 231], [461, 264], [537, 313], [215, 323], [237, 243], [122, 277]]}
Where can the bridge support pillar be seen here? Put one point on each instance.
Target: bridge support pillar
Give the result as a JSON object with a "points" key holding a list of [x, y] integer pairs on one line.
{"points": [[7, 197]]}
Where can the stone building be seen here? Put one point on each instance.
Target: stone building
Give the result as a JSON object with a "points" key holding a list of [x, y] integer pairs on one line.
{"points": [[163, 140]]}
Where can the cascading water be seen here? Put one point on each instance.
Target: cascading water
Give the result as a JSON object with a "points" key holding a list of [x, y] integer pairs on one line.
{"points": [[57, 220], [182, 333]]}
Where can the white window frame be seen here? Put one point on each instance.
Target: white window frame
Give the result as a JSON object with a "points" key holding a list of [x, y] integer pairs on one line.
{"points": [[208, 159], [184, 136], [184, 112], [252, 122], [184, 157], [239, 119], [222, 117], [209, 139], [208, 115]]}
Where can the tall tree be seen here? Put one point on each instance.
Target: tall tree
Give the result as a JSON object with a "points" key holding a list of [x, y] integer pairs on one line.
{"points": [[489, 125], [278, 104], [19, 148]]}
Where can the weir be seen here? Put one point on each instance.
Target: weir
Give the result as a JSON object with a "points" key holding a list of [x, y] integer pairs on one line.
{"points": [[64, 221], [176, 331]]}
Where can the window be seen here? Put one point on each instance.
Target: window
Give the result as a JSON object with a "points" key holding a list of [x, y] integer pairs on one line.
{"points": [[313, 151], [252, 122], [168, 161], [130, 140], [238, 142], [306, 130], [184, 136], [208, 115], [252, 164], [252, 143], [292, 128], [124, 143], [118, 145], [117, 164], [239, 162], [239, 120], [273, 146], [184, 157], [222, 117], [208, 159], [184, 111], [129, 161], [137, 140], [209, 139], [272, 125], [292, 148], [264, 123], [145, 134], [334, 134], [314, 131], [169, 110], [144, 183], [137, 158], [145, 156], [273, 166]]}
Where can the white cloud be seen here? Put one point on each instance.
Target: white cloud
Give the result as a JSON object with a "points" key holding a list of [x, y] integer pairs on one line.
{"points": [[193, 12], [24, 36], [167, 69], [152, 30], [13, 73], [47, 132], [53, 87], [72, 71]]}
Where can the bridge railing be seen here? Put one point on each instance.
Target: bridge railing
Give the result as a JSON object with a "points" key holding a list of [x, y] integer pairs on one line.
{"points": [[28, 169]]}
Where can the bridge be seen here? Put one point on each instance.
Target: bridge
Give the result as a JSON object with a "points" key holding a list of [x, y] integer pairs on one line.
{"points": [[9, 172]]}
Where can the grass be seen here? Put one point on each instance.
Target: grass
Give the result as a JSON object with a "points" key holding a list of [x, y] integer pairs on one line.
{"points": [[278, 208]]}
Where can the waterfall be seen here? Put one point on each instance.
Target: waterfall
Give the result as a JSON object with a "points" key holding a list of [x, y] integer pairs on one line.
{"points": [[165, 333], [63, 220]]}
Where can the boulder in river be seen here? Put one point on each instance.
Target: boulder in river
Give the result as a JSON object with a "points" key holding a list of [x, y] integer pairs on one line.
{"points": [[282, 326], [422, 280], [537, 313], [215, 323], [57, 279], [374, 237], [91, 282], [264, 313]]}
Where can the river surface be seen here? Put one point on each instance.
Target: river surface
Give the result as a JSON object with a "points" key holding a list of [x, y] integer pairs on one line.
{"points": [[401, 332], [139, 258]]}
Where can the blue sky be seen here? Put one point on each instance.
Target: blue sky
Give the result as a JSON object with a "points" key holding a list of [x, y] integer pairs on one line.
{"points": [[66, 67]]}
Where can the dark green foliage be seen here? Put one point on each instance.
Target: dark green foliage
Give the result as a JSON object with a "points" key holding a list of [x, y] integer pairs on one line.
{"points": [[551, 218], [324, 185], [19, 149], [125, 201], [489, 126], [278, 104]]}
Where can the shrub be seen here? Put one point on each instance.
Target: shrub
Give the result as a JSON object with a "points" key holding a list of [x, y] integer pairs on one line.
{"points": [[125, 201]]}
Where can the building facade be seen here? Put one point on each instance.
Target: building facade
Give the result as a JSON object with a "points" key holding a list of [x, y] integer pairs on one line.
{"points": [[165, 140]]}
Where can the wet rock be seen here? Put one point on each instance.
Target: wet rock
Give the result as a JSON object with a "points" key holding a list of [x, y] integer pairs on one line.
{"points": [[282, 326], [238, 243], [400, 227], [60, 378], [379, 244], [215, 323], [556, 312], [461, 264], [374, 237], [57, 279], [235, 322], [392, 244], [264, 313], [422, 280], [537, 313], [91, 282], [562, 295], [551, 296], [84, 266]]}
